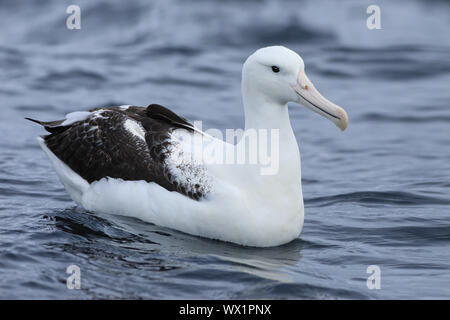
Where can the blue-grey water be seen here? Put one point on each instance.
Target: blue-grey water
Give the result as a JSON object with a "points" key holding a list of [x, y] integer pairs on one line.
{"points": [[377, 194]]}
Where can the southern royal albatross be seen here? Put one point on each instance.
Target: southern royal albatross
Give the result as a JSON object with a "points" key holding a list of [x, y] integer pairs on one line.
{"points": [[136, 161]]}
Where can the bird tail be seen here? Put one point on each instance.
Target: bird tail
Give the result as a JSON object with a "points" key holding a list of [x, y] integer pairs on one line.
{"points": [[50, 126]]}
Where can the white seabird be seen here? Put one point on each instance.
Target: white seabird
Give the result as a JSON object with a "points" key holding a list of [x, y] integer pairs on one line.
{"points": [[136, 161]]}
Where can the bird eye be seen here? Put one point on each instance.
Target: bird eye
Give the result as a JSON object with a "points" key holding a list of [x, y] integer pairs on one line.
{"points": [[275, 69]]}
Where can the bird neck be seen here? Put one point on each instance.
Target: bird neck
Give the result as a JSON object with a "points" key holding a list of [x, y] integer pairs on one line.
{"points": [[266, 118], [279, 187], [262, 113]]}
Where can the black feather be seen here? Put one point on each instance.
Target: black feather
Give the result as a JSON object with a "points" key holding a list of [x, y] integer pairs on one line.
{"points": [[100, 146]]}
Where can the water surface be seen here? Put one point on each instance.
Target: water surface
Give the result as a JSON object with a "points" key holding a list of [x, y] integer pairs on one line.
{"points": [[377, 194]]}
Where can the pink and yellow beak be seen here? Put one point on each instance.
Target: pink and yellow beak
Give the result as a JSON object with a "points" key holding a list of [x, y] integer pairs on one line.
{"points": [[309, 97]]}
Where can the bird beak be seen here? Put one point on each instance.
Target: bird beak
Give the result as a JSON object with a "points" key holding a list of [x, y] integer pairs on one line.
{"points": [[309, 97]]}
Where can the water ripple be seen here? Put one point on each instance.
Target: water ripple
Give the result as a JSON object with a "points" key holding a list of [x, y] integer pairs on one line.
{"points": [[398, 198], [385, 117]]}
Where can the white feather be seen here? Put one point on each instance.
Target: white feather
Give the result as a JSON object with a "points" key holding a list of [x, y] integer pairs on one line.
{"points": [[75, 116], [134, 128], [242, 205]]}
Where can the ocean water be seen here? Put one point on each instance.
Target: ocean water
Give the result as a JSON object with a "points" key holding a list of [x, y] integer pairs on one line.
{"points": [[377, 194]]}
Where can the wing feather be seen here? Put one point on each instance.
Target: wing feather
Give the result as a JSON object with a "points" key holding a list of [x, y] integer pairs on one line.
{"points": [[106, 144]]}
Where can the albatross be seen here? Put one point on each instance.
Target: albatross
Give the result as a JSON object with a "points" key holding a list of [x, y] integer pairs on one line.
{"points": [[145, 162]]}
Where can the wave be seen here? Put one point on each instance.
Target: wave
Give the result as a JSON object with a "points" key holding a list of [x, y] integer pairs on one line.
{"points": [[406, 118], [67, 80], [378, 197], [77, 221]]}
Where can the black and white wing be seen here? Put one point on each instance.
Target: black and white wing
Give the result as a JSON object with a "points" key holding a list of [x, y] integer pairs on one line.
{"points": [[129, 143]]}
